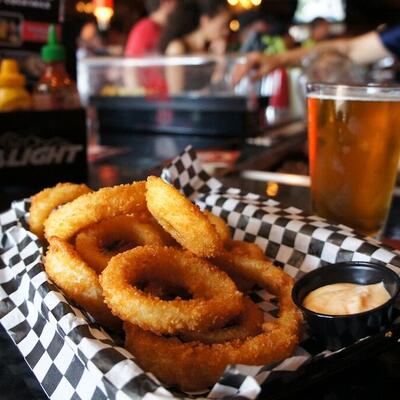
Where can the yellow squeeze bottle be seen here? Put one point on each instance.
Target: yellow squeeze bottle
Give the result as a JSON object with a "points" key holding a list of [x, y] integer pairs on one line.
{"points": [[13, 95]]}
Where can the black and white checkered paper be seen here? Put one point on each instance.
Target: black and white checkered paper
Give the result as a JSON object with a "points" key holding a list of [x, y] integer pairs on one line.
{"points": [[73, 358]]}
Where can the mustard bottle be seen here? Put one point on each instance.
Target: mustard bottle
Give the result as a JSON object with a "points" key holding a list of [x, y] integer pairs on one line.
{"points": [[13, 95]]}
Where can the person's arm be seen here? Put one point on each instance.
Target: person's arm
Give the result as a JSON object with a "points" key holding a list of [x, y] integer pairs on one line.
{"points": [[175, 74], [365, 49], [362, 49]]}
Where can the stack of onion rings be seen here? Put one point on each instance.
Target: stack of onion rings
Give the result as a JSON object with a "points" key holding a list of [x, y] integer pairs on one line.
{"points": [[65, 266], [196, 365], [158, 290]]}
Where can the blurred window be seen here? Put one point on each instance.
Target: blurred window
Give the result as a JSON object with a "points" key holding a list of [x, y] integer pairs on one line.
{"points": [[307, 10]]}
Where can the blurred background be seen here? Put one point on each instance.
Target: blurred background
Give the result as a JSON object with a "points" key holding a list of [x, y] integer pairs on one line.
{"points": [[289, 19], [301, 22], [154, 107], [158, 106]]}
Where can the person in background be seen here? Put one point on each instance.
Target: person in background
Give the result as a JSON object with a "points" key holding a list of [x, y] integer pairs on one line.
{"points": [[196, 27], [90, 42], [363, 49], [263, 34], [144, 37], [116, 37], [253, 25], [319, 30]]}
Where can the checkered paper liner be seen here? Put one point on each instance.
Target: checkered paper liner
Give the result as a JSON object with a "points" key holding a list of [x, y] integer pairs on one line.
{"points": [[73, 358]]}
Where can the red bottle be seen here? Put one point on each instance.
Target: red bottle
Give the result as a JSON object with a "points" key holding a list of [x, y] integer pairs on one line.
{"points": [[55, 89]]}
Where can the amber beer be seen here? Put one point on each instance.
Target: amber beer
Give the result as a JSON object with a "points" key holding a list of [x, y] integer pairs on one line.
{"points": [[354, 142]]}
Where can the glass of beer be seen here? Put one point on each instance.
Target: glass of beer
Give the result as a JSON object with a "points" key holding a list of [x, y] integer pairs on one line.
{"points": [[354, 143]]}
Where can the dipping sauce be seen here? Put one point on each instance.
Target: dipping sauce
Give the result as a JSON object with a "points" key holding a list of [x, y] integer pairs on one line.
{"points": [[346, 298]]}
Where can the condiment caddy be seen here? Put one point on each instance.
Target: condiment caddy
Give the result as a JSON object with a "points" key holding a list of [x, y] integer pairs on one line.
{"points": [[42, 135]]}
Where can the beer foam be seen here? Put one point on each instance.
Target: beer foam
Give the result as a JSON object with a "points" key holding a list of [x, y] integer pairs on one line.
{"points": [[372, 96]]}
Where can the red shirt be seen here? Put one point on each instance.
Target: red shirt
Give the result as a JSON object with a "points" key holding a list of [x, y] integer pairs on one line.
{"points": [[143, 38]]}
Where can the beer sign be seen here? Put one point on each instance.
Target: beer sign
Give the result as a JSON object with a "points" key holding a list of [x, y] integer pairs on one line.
{"points": [[38, 10], [24, 25], [43, 147]]}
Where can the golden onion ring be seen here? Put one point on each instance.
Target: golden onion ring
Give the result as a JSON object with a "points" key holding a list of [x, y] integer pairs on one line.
{"points": [[182, 219], [69, 219], [95, 243], [239, 249], [194, 366], [215, 297], [220, 226], [47, 200], [248, 323], [77, 280]]}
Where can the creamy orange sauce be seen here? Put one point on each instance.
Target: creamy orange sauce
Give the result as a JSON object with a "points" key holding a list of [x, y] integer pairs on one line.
{"points": [[346, 298]]}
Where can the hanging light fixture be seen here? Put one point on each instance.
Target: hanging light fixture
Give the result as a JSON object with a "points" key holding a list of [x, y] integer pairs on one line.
{"points": [[103, 11], [244, 4]]}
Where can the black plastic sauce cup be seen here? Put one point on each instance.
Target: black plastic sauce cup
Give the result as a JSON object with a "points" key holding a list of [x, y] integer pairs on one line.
{"points": [[337, 331]]}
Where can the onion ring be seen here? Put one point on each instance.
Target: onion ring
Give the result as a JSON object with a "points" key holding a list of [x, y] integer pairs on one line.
{"points": [[196, 366], [95, 243], [44, 202], [77, 280], [215, 297], [220, 226], [249, 323], [266, 275], [239, 249], [182, 219], [91, 208]]}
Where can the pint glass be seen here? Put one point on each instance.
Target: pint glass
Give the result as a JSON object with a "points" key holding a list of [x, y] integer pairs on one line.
{"points": [[354, 143]]}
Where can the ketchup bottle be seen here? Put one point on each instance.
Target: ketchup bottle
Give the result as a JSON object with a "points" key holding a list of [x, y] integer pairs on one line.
{"points": [[55, 89]]}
